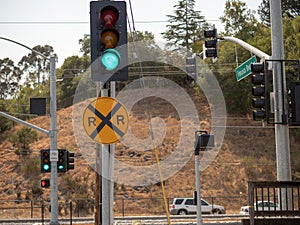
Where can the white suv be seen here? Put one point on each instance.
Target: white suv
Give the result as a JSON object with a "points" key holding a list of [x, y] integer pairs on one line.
{"points": [[261, 206], [184, 206]]}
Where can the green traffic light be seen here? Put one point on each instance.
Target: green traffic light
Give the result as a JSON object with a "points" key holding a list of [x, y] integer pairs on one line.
{"points": [[61, 167], [110, 59], [46, 167]]}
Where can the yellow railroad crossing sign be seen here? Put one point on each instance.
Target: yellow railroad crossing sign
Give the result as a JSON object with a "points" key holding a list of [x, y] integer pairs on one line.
{"points": [[105, 120]]}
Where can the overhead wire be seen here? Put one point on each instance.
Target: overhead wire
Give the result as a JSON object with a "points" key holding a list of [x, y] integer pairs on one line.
{"points": [[150, 123]]}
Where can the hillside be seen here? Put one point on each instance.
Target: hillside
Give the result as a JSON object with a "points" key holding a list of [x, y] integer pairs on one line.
{"points": [[246, 153]]}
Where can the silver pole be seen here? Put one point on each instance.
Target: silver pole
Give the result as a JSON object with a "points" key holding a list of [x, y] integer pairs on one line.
{"points": [[247, 46], [24, 123], [198, 189], [111, 164], [53, 145], [52, 133], [279, 82], [107, 170]]}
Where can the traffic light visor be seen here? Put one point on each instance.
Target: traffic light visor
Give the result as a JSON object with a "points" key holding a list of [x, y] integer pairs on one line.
{"points": [[211, 43], [109, 16], [110, 38], [257, 67], [210, 33], [46, 167], [110, 59], [45, 183]]}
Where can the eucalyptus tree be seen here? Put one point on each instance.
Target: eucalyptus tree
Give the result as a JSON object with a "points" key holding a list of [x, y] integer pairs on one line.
{"points": [[10, 75], [34, 67]]}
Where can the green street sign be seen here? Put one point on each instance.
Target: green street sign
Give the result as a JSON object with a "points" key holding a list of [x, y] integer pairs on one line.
{"points": [[244, 69]]}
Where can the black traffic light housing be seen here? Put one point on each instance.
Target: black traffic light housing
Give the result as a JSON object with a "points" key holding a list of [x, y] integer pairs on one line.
{"points": [[62, 163], [294, 103], [70, 161], [211, 43], [45, 183], [203, 141], [45, 161], [109, 51], [192, 67], [260, 91]]}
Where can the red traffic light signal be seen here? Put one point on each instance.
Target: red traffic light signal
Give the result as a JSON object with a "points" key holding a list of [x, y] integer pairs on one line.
{"points": [[109, 53], [45, 183]]}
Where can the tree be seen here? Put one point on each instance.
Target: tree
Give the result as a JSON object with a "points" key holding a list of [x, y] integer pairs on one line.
{"points": [[291, 31], [238, 19], [70, 71], [35, 67], [144, 46], [22, 139], [85, 45], [185, 26], [5, 124], [10, 76], [239, 22], [290, 8]]}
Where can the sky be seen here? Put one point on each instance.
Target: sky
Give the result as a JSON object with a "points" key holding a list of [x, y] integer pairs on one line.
{"points": [[61, 23]]}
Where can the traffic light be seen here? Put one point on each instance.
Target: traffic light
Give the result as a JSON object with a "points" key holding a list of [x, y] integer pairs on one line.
{"points": [[45, 161], [109, 51], [192, 67], [45, 183], [70, 160], [259, 90], [294, 103], [62, 162], [211, 45], [204, 141]]}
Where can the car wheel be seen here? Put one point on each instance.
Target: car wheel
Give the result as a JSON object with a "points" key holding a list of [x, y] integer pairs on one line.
{"points": [[217, 211], [182, 212]]}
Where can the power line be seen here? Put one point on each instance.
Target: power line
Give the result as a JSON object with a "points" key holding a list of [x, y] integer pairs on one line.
{"points": [[42, 22], [74, 22]]}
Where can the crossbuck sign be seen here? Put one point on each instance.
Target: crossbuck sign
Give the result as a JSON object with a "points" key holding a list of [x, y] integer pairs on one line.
{"points": [[105, 120]]}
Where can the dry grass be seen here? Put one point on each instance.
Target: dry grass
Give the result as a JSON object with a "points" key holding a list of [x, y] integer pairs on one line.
{"points": [[226, 176]]}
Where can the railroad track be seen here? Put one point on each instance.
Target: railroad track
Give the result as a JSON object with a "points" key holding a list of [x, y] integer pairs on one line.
{"points": [[138, 220]]}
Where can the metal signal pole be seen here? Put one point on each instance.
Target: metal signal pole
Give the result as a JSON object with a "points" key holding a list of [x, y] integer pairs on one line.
{"points": [[279, 82], [52, 133]]}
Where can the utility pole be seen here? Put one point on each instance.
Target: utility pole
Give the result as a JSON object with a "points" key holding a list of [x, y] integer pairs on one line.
{"points": [[279, 83]]}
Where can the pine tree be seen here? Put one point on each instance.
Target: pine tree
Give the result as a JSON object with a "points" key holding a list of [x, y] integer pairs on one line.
{"points": [[184, 26]]}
